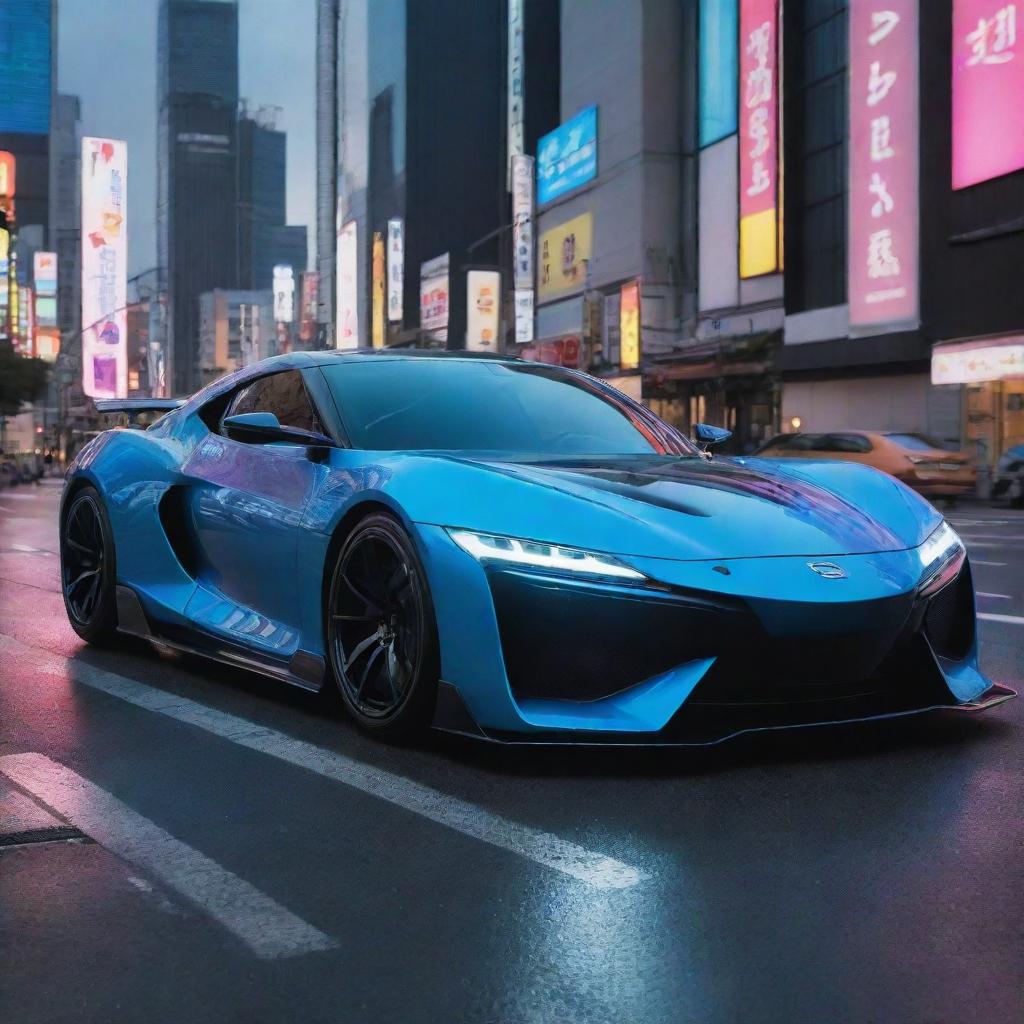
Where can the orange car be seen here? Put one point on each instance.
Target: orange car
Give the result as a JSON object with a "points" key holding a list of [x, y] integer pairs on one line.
{"points": [[915, 459]]}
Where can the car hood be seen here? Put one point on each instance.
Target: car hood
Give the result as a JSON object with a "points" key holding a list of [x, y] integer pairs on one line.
{"points": [[696, 508]]}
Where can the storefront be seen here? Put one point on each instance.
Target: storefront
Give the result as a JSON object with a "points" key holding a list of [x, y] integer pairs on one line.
{"points": [[729, 384], [990, 372]]}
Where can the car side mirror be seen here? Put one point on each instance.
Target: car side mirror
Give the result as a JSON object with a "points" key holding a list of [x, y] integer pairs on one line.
{"points": [[266, 428], [707, 435]]}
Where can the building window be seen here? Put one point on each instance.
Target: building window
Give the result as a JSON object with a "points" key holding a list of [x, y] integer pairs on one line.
{"points": [[815, 153]]}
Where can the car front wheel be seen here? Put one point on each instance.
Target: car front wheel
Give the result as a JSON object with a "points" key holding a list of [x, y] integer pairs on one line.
{"points": [[381, 633]]}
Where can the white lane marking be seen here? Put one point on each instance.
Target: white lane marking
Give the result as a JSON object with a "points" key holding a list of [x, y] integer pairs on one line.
{"points": [[992, 536], [1016, 620], [983, 543], [978, 522], [1000, 597], [542, 848], [268, 929], [978, 561]]}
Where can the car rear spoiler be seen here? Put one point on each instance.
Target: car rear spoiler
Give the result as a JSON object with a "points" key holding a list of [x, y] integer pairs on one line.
{"points": [[133, 407]]}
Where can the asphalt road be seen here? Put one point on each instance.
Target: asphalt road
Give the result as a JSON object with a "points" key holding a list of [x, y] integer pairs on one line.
{"points": [[222, 849]]}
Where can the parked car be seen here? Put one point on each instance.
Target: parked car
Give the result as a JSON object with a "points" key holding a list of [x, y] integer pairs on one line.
{"points": [[916, 459], [9, 474], [1009, 478]]}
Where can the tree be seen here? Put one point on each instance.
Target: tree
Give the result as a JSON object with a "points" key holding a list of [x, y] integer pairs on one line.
{"points": [[22, 379]]}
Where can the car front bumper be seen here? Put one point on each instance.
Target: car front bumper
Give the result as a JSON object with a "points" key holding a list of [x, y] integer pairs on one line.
{"points": [[712, 650]]}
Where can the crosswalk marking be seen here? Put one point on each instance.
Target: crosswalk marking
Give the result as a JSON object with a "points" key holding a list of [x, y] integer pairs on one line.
{"points": [[544, 848], [268, 929]]}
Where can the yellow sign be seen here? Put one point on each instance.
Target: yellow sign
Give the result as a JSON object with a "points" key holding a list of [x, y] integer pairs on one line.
{"points": [[629, 326], [759, 243], [563, 250], [378, 289]]}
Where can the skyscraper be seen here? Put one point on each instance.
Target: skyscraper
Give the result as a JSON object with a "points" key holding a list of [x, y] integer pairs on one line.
{"points": [[26, 99], [264, 239], [197, 198]]}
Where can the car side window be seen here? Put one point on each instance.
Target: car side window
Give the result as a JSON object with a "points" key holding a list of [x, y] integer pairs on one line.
{"points": [[284, 394], [849, 443]]}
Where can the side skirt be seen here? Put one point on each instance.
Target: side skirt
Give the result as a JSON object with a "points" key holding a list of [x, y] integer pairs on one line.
{"points": [[305, 670]]}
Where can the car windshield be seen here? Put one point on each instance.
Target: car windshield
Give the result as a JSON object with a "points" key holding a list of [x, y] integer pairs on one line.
{"points": [[395, 403], [915, 442]]}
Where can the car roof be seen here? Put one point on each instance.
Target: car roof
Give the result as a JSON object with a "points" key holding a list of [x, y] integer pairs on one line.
{"points": [[335, 355]]}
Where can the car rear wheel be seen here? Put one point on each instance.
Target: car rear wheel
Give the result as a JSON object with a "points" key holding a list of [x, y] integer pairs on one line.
{"points": [[87, 568], [381, 634]]}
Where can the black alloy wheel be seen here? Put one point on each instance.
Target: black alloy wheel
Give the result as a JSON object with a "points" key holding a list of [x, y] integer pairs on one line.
{"points": [[381, 635], [87, 568]]}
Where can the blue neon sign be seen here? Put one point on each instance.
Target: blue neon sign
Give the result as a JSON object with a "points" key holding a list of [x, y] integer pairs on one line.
{"points": [[567, 157]]}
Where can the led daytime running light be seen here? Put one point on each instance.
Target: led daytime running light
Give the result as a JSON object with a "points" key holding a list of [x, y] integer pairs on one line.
{"points": [[485, 547]]}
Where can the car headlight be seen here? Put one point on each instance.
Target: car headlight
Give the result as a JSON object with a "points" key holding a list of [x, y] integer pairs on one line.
{"points": [[487, 547], [942, 556]]}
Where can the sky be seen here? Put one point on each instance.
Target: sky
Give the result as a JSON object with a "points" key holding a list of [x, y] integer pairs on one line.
{"points": [[106, 55]]}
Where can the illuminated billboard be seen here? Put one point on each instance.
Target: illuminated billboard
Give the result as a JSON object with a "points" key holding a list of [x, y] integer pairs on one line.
{"points": [[396, 268], [882, 258], [564, 252], [346, 331], [44, 272], [434, 296], [988, 90], [759, 137], [8, 178], [104, 267], [377, 290], [284, 293], [567, 157], [483, 299], [718, 71]]}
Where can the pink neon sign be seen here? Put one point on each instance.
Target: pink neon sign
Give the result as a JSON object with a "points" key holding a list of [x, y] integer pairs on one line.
{"points": [[883, 207], [988, 89], [758, 98]]}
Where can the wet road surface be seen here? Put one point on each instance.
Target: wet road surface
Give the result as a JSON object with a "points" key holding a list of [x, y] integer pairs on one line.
{"points": [[197, 843]]}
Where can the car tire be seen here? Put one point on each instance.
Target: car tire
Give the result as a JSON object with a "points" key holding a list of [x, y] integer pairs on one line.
{"points": [[381, 632], [88, 568]]}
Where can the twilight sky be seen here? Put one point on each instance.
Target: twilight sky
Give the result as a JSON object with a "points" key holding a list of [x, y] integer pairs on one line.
{"points": [[107, 57]]}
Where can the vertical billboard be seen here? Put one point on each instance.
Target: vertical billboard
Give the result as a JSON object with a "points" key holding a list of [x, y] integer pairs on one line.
{"points": [[988, 90], [8, 168], [759, 137], [396, 269], [377, 293], [567, 157], [104, 267], [483, 302], [346, 330], [629, 325], [523, 299], [434, 295], [44, 272], [718, 71], [516, 100], [522, 221], [284, 293], [308, 297], [882, 261]]}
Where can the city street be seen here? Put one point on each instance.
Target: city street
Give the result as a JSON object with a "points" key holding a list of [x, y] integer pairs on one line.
{"points": [[184, 841]]}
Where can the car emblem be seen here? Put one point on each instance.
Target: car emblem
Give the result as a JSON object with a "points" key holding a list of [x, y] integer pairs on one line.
{"points": [[829, 570]]}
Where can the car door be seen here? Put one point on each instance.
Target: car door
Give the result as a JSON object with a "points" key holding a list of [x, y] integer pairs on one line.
{"points": [[246, 501]]}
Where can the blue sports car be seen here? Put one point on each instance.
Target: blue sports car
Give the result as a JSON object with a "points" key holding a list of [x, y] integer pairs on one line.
{"points": [[513, 551]]}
